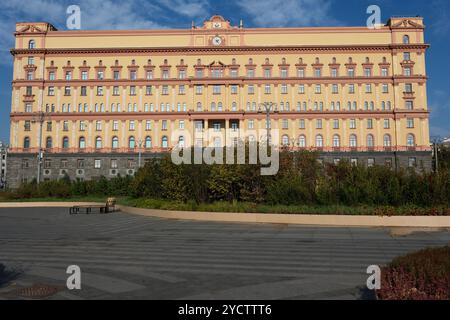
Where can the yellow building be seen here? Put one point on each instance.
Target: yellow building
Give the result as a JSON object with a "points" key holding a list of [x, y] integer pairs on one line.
{"points": [[103, 96]]}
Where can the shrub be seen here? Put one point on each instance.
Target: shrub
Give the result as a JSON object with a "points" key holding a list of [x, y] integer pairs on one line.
{"points": [[424, 275]]}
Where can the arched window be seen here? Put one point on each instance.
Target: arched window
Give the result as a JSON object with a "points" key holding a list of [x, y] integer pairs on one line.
{"points": [[164, 142], [49, 143], [336, 141], [370, 141], [319, 141], [181, 141], [26, 143], [148, 142], [98, 143], [65, 143], [31, 44], [213, 106], [387, 140], [199, 106], [131, 142], [234, 106], [115, 142], [405, 39], [219, 106], [81, 144], [302, 141], [285, 140], [353, 141], [410, 140]]}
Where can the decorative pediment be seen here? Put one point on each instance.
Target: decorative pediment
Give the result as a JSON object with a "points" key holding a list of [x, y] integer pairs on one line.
{"points": [[217, 64], [30, 29], [406, 24]]}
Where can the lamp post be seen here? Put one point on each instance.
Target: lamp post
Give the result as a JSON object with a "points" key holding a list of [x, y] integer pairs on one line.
{"points": [[140, 142], [40, 118], [436, 142], [3, 152], [268, 106]]}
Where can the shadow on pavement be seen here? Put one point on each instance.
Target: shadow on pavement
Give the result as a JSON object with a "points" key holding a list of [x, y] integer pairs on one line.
{"points": [[6, 276]]}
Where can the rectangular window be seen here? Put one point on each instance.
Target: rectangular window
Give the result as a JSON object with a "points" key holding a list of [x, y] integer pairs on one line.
{"points": [[267, 73], [115, 126], [51, 76], [367, 72], [216, 89], [334, 73], [27, 125], [98, 126], [182, 89], [407, 71], [284, 73], [113, 163], [133, 75], [164, 125], [319, 124], [83, 91], [336, 124], [334, 89], [82, 126], [407, 56], [352, 123], [68, 75], [165, 74], [100, 75], [67, 91], [351, 72], [284, 89], [385, 88], [116, 75], [182, 74], [369, 123], [251, 124], [181, 125], [251, 73], [199, 89], [116, 91], [384, 72], [317, 72], [131, 125], [301, 88], [351, 88], [165, 90], [408, 88], [301, 124], [148, 125], [267, 89], [148, 90], [84, 75], [51, 91], [66, 126], [412, 162], [370, 162], [132, 90], [99, 91], [97, 164], [410, 123], [301, 73], [199, 73], [149, 75], [387, 124], [285, 124], [234, 89], [368, 88], [318, 89], [409, 105]]}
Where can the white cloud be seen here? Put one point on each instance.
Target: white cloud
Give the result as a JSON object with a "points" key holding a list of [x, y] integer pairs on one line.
{"points": [[282, 13]]}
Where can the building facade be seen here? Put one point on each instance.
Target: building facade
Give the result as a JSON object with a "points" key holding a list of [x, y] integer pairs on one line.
{"points": [[93, 101]]}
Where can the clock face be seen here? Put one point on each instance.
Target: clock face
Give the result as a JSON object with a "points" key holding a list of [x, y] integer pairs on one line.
{"points": [[217, 41]]}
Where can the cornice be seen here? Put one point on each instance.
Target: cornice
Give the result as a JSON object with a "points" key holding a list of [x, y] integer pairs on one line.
{"points": [[222, 49]]}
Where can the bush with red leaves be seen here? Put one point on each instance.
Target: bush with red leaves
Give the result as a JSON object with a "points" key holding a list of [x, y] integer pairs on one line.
{"points": [[423, 275]]}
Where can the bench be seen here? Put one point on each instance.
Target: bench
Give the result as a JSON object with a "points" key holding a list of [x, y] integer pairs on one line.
{"points": [[110, 206]]}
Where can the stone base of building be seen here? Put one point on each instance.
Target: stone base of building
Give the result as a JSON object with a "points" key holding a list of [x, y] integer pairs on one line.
{"points": [[22, 167]]}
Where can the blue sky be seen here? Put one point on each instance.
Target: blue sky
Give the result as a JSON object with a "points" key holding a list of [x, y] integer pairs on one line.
{"points": [[141, 14]]}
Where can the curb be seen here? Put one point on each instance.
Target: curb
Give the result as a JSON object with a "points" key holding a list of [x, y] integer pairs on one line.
{"points": [[45, 204], [300, 219]]}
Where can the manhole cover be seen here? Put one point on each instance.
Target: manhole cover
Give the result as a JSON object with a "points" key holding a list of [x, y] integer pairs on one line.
{"points": [[37, 291]]}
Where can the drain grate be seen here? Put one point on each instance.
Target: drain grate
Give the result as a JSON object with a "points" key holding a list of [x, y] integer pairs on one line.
{"points": [[37, 291]]}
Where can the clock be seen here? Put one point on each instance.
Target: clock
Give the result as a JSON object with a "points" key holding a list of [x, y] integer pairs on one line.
{"points": [[217, 41]]}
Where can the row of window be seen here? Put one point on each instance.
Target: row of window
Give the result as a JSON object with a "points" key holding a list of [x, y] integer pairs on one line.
{"points": [[217, 89], [336, 123], [285, 140]]}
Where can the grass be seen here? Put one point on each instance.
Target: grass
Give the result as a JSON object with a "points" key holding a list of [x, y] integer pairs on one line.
{"points": [[247, 207]]}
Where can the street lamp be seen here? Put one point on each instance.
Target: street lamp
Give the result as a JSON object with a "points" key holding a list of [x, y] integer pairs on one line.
{"points": [[140, 142], [40, 117], [268, 106], [437, 140], [3, 151]]}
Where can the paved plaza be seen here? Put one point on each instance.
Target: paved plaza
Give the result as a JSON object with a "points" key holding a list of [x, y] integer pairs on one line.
{"points": [[124, 256]]}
